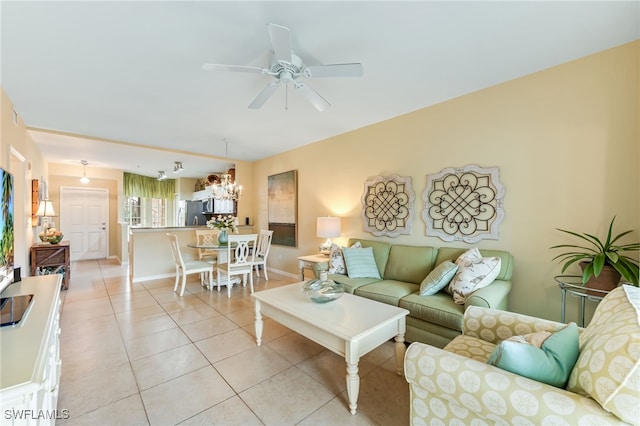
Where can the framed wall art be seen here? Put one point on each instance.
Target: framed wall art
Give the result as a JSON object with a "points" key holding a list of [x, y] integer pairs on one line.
{"points": [[283, 208], [387, 205], [464, 204]]}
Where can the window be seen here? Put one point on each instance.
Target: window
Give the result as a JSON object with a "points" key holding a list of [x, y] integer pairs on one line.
{"points": [[158, 211], [132, 211]]}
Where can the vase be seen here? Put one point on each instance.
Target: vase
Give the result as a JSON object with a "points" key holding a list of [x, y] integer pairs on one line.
{"points": [[223, 237], [323, 290]]}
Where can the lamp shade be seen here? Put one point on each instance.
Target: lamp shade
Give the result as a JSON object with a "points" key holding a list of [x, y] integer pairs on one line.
{"points": [[45, 209], [328, 227]]}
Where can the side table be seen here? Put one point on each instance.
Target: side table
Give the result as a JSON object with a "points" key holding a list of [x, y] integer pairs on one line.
{"points": [[51, 259], [573, 285], [309, 261]]}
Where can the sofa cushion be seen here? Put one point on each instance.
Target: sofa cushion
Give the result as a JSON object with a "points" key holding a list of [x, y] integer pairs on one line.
{"points": [[474, 273], [360, 262], [350, 284], [387, 291], [506, 259], [438, 309], [438, 279], [550, 363], [410, 263], [380, 251], [608, 368]]}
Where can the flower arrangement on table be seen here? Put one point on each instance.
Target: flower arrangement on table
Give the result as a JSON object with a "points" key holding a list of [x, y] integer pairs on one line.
{"points": [[220, 222]]}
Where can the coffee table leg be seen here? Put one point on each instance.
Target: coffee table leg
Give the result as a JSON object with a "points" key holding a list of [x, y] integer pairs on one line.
{"points": [[259, 323], [400, 350], [353, 385]]}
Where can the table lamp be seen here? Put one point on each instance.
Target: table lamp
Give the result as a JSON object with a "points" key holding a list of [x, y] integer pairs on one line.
{"points": [[45, 210], [327, 227]]}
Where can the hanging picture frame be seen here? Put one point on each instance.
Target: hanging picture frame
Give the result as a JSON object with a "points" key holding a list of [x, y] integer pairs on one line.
{"points": [[283, 208], [387, 205], [464, 204]]}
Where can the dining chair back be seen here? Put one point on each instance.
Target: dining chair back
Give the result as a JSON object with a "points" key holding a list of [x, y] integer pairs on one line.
{"points": [[240, 256], [189, 267], [207, 237], [262, 251]]}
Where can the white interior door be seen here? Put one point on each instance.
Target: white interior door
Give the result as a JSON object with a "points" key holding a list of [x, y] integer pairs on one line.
{"points": [[83, 221]]}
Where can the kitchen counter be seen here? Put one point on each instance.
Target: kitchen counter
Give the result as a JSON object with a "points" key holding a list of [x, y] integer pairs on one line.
{"points": [[150, 255]]}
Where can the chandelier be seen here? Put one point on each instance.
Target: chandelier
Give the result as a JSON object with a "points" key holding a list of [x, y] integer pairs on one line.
{"points": [[228, 188]]}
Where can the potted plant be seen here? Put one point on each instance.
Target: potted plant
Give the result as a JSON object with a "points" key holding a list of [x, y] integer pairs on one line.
{"points": [[600, 259]]}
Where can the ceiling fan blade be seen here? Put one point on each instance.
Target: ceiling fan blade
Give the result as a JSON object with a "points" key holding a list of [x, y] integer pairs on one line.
{"points": [[264, 95], [281, 42], [335, 70], [223, 67], [312, 96]]}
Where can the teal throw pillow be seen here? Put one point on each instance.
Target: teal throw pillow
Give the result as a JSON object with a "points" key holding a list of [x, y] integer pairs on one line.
{"points": [[360, 262], [438, 278], [551, 363]]}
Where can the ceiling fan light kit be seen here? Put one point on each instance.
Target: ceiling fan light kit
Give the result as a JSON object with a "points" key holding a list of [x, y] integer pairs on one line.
{"points": [[286, 67]]}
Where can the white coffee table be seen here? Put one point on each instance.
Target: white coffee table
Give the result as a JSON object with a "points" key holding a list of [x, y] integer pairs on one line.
{"points": [[350, 326]]}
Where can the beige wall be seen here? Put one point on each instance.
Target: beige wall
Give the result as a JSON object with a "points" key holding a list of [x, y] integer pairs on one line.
{"points": [[14, 137], [566, 141]]}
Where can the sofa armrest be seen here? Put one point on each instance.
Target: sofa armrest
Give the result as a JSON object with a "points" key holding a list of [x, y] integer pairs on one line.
{"points": [[320, 266], [451, 387], [494, 326], [495, 295]]}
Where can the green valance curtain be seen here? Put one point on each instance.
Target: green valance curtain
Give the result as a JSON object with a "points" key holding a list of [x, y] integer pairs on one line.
{"points": [[148, 187]]}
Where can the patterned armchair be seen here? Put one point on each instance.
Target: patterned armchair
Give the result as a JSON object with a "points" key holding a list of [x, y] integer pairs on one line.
{"points": [[455, 385]]}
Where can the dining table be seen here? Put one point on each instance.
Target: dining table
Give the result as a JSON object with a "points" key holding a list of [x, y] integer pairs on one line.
{"points": [[222, 258]]}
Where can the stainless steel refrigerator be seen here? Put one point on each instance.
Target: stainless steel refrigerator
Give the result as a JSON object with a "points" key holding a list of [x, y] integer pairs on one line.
{"points": [[193, 214]]}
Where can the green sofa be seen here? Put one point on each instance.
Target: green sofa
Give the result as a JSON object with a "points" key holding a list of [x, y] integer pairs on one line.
{"points": [[436, 319]]}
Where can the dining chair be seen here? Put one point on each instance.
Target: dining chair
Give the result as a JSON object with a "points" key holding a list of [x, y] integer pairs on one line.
{"points": [[262, 251], [207, 237], [189, 267], [239, 261]]}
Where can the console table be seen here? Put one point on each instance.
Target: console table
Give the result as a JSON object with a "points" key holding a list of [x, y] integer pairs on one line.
{"points": [[30, 363], [51, 259]]}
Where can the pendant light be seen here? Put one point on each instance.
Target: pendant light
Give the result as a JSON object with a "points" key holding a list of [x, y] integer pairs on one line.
{"points": [[84, 179]]}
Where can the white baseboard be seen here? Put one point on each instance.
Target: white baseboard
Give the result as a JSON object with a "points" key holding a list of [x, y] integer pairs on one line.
{"points": [[153, 277]]}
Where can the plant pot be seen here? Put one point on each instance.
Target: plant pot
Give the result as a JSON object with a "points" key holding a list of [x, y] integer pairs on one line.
{"points": [[608, 279]]}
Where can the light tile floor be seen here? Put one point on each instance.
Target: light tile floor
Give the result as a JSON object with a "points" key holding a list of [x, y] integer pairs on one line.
{"points": [[137, 354]]}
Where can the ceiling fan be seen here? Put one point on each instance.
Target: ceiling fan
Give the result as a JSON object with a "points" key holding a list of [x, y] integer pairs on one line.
{"points": [[286, 67]]}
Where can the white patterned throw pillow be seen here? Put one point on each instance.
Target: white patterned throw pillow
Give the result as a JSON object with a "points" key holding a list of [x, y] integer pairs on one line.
{"points": [[336, 259], [474, 273]]}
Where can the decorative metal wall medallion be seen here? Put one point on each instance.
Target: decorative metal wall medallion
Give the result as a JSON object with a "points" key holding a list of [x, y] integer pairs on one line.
{"points": [[463, 204], [387, 205]]}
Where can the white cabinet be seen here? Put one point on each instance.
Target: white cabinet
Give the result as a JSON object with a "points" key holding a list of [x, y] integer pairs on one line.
{"points": [[30, 365], [223, 206], [204, 194]]}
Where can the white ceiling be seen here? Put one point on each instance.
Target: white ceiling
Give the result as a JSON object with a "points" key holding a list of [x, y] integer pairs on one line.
{"points": [[125, 75]]}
